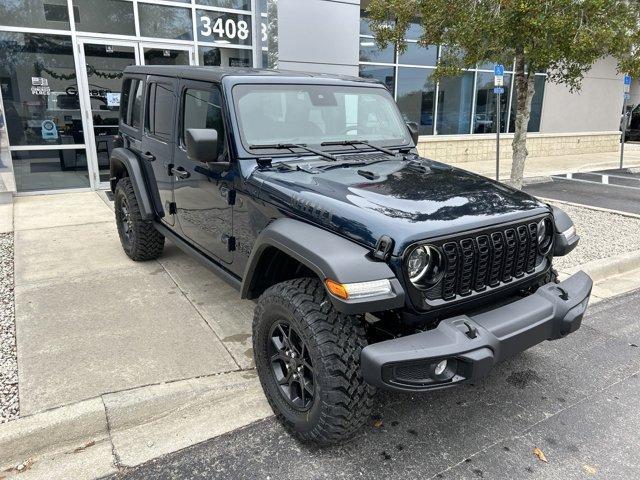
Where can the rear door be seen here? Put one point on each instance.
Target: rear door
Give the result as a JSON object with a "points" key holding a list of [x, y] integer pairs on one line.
{"points": [[158, 137], [203, 198]]}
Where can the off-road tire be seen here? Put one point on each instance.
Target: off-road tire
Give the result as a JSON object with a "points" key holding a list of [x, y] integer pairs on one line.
{"points": [[342, 400], [142, 241]]}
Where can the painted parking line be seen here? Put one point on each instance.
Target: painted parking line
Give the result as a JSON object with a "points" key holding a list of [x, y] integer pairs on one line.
{"points": [[614, 180]]}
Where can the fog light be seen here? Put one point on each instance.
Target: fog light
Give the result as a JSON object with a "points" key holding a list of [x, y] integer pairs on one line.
{"points": [[440, 368], [444, 370]]}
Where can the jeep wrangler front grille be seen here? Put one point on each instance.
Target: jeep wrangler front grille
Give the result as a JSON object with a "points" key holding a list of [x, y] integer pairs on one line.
{"points": [[472, 263]]}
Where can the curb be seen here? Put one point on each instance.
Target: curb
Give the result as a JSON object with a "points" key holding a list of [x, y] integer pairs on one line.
{"points": [[604, 268], [140, 424], [61, 428]]}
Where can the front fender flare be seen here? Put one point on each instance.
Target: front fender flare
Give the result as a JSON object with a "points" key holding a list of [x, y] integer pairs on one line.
{"points": [[329, 256]]}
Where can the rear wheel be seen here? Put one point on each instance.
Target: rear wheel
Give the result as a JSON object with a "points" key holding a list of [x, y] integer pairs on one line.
{"points": [[308, 359], [139, 238]]}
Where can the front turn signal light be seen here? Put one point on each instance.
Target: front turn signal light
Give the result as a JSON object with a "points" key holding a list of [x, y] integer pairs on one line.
{"points": [[352, 291]]}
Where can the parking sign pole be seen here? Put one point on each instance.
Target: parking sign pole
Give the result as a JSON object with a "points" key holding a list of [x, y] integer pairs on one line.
{"points": [[498, 137], [498, 89], [624, 130], [626, 88]]}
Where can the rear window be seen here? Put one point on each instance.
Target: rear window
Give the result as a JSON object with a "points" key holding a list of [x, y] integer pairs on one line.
{"points": [[124, 100], [136, 104], [159, 120]]}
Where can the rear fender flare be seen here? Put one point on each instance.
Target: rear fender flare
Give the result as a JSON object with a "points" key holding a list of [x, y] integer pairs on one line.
{"points": [[120, 159]]}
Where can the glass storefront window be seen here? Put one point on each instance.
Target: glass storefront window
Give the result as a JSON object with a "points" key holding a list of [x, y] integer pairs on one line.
{"points": [[223, 27], [369, 52], [162, 21], [165, 56], [52, 14], [104, 66], [536, 106], [225, 57], [455, 97], [40, 89], [416, 92], [104, 16], [485, 118], [233, 4], [50, 169], [417, 55], [381, 73]]}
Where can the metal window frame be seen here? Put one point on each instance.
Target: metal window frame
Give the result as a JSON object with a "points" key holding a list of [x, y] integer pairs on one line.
{"points": [[80, 37], [396, 66]]}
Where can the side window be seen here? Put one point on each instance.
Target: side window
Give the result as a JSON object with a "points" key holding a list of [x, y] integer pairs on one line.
{"points": [[136, 104], [124, 99], [202, 109], [159, 119]]}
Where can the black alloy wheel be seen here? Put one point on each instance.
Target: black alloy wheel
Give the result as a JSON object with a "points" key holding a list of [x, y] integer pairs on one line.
{"points": [[291, 365], [126, 223]]}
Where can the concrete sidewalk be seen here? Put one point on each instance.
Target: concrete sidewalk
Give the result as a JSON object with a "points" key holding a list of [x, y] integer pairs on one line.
{"points": [[122, 341]]}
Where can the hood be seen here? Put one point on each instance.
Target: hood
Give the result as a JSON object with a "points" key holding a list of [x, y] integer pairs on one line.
{"points": [[408, 200]]}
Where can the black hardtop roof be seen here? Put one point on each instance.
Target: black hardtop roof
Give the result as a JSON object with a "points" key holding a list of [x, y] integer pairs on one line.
{"points": [[216, 74]]}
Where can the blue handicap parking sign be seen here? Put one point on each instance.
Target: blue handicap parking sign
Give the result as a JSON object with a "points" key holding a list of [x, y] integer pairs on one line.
{"points": [[498, 70], [627, 79], [498, 90]]}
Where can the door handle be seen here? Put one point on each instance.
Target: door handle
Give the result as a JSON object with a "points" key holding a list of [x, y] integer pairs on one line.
{"points": [[148, 156], [180, 172]]}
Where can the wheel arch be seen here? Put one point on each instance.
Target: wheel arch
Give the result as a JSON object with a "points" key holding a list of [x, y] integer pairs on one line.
{"points": [[289, 248], [123, 163]]}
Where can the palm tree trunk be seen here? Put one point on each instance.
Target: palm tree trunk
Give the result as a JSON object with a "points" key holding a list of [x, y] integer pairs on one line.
{"points": [[525, 88]]}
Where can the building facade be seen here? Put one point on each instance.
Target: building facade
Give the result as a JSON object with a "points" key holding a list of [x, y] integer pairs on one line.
{"points": [[61, 64]]}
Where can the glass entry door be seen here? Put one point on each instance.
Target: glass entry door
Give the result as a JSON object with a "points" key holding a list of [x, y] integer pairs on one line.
{"points": [[158, 54], [101, 66]]}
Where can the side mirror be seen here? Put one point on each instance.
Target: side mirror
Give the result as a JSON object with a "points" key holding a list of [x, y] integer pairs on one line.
{"points": [[202, 144], [413, 131]]}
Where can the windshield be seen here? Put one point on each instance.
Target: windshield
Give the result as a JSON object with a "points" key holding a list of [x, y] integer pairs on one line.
{"points": [[313, 114]]}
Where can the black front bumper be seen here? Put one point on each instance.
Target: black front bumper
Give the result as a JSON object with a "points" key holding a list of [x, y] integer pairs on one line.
{"points": [[473, 344]]}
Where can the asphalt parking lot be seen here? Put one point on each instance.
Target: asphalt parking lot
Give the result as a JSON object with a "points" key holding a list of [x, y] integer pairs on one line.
{"points": [[575, 400], [612, 189]]}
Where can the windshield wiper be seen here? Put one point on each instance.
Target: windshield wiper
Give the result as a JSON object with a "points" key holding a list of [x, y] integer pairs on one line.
{"points": [[291, 146], [359, 142]]}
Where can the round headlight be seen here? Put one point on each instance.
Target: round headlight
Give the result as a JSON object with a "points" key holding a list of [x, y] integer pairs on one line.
{"points": [[545, 235], [424, 265]]}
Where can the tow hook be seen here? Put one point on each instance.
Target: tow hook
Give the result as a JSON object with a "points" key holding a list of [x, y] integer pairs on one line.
{"points": [[472, 332], [563, 293]]}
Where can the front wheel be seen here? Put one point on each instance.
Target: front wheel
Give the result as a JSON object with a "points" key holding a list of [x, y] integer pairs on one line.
{"points": [[308, 359]]}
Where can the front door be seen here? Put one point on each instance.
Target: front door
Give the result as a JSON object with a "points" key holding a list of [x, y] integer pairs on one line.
{"points": [[101, 64], [158, 137], [203, 197]]}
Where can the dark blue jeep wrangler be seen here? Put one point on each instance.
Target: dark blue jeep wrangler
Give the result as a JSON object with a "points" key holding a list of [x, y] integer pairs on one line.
{"points": [[371, 266]]}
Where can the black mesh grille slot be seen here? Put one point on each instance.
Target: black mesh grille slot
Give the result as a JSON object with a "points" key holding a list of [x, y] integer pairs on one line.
{"points": [[466, 269], [482, 266], [510, 254], [450, 272], [486, 260], [521, 257], [495, 274], [533, 247]]}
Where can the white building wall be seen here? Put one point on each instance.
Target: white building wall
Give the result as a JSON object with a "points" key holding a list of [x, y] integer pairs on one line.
{"points": [[596, 108], [319, 35]]}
